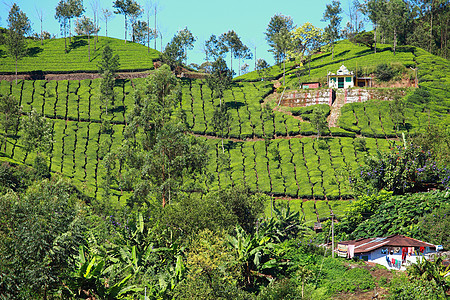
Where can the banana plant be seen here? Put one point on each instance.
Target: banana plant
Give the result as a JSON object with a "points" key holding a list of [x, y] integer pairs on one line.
{"points": [[431, 271], [284, 225], [251, 252], [91, 279]]}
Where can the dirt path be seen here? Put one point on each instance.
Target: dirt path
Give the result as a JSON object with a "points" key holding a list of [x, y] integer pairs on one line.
{"points": [[336, 108]]}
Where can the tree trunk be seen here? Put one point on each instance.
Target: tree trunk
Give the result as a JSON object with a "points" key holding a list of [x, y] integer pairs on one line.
{"points": [[89, 48], [42, 38], [155, 26], [310, 66], [239, 67], [65, 39], [231, 57], [125, 28], [332, 50], [6, 140], [16, 69], [375, 38], [395, 39], [431, 27], [223, 149], [106, 26], [255, 58]]}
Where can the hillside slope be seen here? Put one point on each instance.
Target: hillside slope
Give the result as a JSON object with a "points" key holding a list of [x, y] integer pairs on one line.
{"points": [[51, 58], [290, 162]]}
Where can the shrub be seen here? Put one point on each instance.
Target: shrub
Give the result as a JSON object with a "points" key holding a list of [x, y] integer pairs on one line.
{"points": [[403, 287], [385, 72], [436, 226], [280, 89], [401, 170], [283, 289], [360, 144], [420, 96]]}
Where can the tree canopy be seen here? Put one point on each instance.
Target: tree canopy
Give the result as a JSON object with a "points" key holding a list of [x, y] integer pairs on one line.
{"points": [[127, 8], [332, 15], [18, 27], [279, 25]]}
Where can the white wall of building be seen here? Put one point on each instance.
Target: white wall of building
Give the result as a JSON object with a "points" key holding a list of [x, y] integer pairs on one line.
{"points": [[377, 257]]}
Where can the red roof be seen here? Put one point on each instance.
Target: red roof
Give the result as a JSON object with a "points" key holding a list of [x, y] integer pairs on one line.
{"points": [[367, 245]]}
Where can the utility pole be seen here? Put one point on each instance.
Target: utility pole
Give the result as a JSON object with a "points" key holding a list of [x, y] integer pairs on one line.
{"points": [[332, 235]]}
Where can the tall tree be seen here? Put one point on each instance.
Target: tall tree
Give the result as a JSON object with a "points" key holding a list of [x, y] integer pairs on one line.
{"points": [[355, 24], [40, 15], [213, 49], [150, 32], [221, 121], [374, 10], [187, 41], [127, 8], [107, 67], [37, 133], [140, 32], [95, 7], [173, 54], [162, 153], [176, 49], [220, 79], [306, 39], [9, 115], [85, 26], [18, 27], [398, 15], [283, 40], [279, 26], [76, 9], [107, 14], [62, 15], [261, 68], [332, 15], [230, 42]]}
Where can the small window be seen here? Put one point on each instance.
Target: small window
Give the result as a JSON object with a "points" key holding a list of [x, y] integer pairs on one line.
{"points": [[348, 79]]}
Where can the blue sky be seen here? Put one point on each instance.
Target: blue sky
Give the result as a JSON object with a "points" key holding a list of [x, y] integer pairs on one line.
{"points": [[203, 17]]}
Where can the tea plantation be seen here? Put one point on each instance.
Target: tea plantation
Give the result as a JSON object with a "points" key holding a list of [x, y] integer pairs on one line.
{"points": [[277, 153]]}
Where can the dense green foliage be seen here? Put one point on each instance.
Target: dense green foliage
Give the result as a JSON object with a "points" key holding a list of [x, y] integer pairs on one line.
{"points": [[40, 231], [402, 169], [385, 214]]}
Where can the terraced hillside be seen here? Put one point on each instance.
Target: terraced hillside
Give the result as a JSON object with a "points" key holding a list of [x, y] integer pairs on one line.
{"points": [[274, 153], [51, 58]]}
